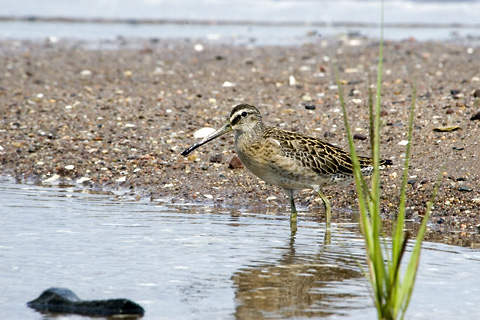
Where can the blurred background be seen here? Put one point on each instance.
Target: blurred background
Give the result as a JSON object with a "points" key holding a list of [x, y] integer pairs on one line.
{"points": [[244, 21]]}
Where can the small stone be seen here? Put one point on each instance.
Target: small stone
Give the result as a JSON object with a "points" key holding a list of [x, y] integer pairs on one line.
{"points": [[235, 163], [83, 179], [476, 93], [476, 116], [52, 179], [454, 92], [449, 111], [458, 148], [310, 106], [228, 84], [216, 158], [85, 73], [446, 129], [292, 81], [198, 47], [465, 188], [359, 136], [70, 167]]}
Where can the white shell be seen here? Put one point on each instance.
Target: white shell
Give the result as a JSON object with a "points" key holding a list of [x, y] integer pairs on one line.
{"points": [[203, 132]]}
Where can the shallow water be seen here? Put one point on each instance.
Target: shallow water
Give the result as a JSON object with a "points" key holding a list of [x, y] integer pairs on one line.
{"points": [[266, 21], [199, 262]]}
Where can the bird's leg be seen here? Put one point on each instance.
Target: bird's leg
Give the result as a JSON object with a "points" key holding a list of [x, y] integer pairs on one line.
{"points": [[293, 214], [328, 206]]}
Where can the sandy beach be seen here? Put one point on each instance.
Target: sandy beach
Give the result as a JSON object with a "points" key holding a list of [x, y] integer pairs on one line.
{"points": [[118, 119]]}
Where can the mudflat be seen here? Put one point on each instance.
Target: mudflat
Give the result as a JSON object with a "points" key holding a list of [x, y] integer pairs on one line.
{"points": [[118, 118]]}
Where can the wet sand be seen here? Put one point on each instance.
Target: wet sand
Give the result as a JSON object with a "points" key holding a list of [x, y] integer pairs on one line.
{"points": [[118, 118]]}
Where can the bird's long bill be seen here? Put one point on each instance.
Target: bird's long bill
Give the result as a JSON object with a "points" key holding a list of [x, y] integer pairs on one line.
{"points": [[226, 128]]}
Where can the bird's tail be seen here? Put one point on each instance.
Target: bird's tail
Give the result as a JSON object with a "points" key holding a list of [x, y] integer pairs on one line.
{"points": [[366, 164]]}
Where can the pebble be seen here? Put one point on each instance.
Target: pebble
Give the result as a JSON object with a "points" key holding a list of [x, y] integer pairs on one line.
{"points": [[70, 167], [228, 84], [235, 162], [476, 116], [446, 129], [198, 47], [476, 93], [82, 179], [216, 158], [85, 73], [292, 81], [310, 106], [412, 181], [52, 179], [359, 136], [403, 143], [465, 188]]}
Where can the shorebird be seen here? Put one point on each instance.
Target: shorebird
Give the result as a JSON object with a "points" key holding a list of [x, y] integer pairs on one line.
{"points": [[290, 160]]}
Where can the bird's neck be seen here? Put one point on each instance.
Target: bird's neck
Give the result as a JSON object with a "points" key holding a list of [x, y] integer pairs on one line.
{"points": [[252, 133]]}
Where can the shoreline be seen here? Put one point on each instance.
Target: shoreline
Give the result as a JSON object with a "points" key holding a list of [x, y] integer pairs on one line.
{"points": [[119, 118]]}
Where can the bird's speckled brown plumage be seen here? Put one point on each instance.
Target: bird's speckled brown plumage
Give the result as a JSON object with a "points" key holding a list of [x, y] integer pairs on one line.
{"points": [[287, 159]]}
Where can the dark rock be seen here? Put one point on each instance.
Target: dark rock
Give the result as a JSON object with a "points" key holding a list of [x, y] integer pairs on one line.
{"points": [[476, 93], [310, 107], [63, 300], [465, 188], [449, 111], [235, 163], [454, 92], [458, 148], [359, 136], [476, 116], [412, 181], [216, 158]]}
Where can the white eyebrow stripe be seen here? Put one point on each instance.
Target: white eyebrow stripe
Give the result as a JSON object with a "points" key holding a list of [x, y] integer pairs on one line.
{"points": [[239, 113]]}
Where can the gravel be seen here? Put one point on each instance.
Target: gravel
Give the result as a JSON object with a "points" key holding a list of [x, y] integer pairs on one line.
{"points": [[118, 119]]}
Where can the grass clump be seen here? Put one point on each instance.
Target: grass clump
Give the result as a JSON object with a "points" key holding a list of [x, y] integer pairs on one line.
{"points": [[391, 288]]}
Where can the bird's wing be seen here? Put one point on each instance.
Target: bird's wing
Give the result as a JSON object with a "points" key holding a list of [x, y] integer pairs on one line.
{"points": [[318, 155]]}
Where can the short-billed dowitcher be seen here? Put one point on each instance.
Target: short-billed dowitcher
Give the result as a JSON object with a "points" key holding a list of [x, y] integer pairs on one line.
{"points": [[290, 160]]}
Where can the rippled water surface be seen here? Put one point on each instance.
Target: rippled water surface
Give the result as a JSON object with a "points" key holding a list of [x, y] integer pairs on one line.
{"points": [[200, 262]]}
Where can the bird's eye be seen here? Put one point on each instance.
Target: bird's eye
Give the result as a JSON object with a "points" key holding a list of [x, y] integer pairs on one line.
{"points": [[244, 114]]}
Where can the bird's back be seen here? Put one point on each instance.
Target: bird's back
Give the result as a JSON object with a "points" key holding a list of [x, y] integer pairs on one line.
{"points": [[318, 155]]}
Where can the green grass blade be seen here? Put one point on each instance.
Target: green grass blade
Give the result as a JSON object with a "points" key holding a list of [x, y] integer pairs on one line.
{"points": [[411, 272]]}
